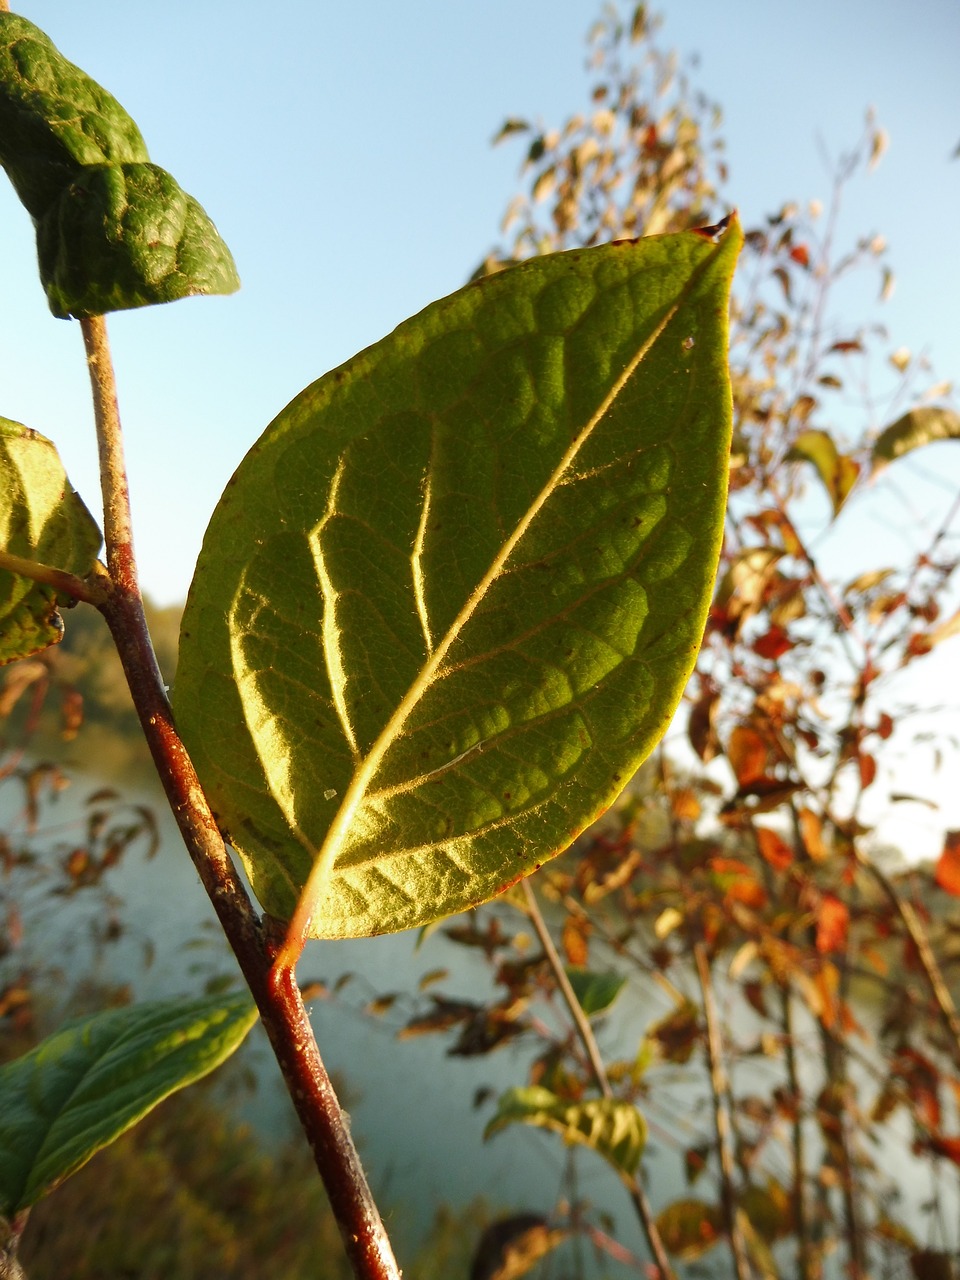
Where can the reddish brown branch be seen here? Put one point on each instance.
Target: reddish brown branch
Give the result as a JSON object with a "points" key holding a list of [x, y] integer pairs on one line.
{"points": [[274, 990]]}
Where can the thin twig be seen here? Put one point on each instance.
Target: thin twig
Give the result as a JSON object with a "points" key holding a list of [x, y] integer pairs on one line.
{"points": [[718, 1088], [91, 591], [636, 1189], [798, 1194], [580, 1019], [273, 988], [918, 936]]}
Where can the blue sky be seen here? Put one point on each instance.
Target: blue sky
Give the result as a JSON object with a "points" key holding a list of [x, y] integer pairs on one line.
{"points": [[344, 152]]}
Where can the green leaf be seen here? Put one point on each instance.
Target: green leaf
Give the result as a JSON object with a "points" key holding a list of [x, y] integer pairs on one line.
{"points": [[837, 471], [921, 426], [128, 236], [450, 599], [689, 1228], [595, 992], [41, 519], [113, 230], [54, 120], [95, 1078], [613, 1129]]}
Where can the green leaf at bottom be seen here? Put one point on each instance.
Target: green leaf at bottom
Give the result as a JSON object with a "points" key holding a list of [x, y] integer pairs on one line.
{"points": [[95, 1078], [450, 599]]}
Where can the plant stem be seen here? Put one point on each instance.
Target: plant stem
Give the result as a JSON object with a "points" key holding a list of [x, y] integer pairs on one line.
{"points": [[274, 989], [798, 1195], [637, 1192], [718, 1088], [65, 584], [918, 936]]}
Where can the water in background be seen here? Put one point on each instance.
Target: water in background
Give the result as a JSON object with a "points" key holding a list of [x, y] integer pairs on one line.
{"points": [[412, 1107]]}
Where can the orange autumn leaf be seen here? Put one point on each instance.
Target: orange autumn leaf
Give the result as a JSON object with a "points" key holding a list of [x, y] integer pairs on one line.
{"points": [[747, 753], [574, 941], [868, 769], [738, 882], [811, 830], [949, 1147], [774, 849], [833, 919], [773, 644], [685, 805], [947, 874]]}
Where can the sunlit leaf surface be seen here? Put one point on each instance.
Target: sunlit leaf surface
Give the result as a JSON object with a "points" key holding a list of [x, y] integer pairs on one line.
{"points": [[613, 1129], [41, 519], [450, 599], [113, 230]]}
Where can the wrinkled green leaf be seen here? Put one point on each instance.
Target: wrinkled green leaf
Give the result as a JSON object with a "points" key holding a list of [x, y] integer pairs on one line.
{"points": [[450, 599], [54, 120], [595, 992], [613, 1129], [689, 1228], [113, 230], [42, 519], [128, 236], [921, 426], [95, 1078], [837, 471]]}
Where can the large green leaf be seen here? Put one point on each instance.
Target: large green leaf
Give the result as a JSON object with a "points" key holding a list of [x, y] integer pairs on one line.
{"points": [[41, 519], [113, 230], [613, 1129], [450, 599], [95, 1078]]}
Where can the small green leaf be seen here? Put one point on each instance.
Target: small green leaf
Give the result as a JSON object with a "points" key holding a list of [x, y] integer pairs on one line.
{"points": [[450, 599], [921, 426], [113, 230], [613, 1129], [41, 519], [689, 1228], [837, 471], [126, 236], [54, 120], [596, 992], [95, 1078]]}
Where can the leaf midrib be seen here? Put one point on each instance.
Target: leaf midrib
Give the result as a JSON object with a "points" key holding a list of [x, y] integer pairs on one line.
{"points": [[339, 829]]}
